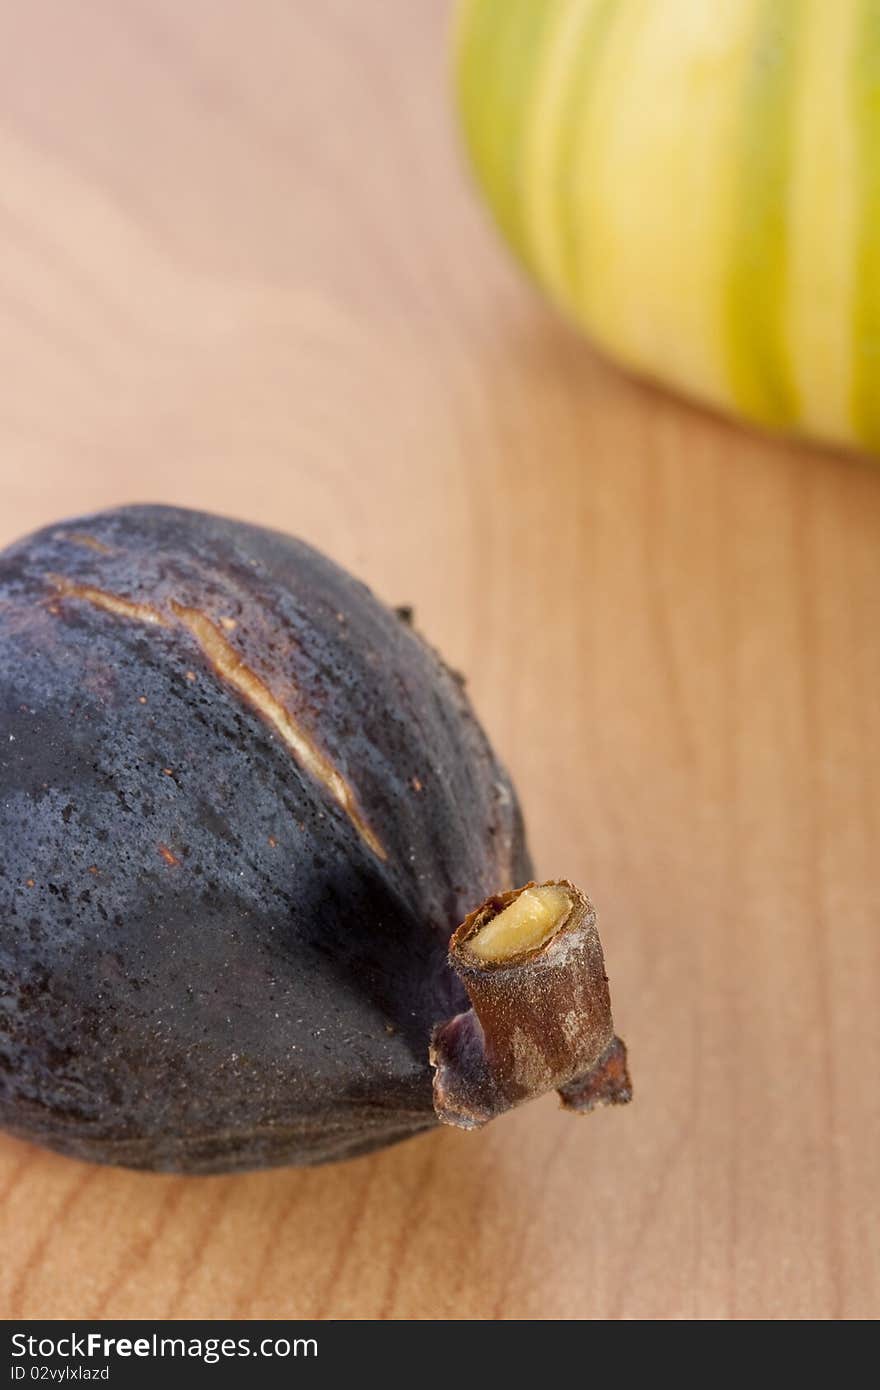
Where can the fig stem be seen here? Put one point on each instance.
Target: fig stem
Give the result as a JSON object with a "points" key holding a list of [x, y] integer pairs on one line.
{"points": [[540, 1018]]}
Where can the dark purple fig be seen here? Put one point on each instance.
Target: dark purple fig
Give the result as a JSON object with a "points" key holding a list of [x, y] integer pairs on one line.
{"points": [[244, 808]]}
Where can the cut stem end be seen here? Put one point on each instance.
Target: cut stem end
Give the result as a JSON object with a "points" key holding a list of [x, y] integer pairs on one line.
{"points": [[531, 962]]}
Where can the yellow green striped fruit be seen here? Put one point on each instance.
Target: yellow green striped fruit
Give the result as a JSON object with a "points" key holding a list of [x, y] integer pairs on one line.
{"points": [[697, 182]]}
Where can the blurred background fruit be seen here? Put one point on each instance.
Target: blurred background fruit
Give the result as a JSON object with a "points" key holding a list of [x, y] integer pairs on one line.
{"points": [[698, 185]]}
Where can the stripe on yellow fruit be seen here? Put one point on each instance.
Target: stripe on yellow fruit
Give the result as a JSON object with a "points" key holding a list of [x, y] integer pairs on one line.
{"points": [[586, 181], [477, 31], [761, 376], [563, 81], [866, 318], [497, 75], [818, 320], [657, 179]]}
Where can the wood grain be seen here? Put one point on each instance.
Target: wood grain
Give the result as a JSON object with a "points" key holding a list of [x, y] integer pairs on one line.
{"points": [[241, 269]]}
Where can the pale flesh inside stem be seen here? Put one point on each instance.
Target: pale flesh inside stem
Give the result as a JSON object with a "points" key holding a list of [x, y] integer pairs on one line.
{"points": [[525, 925]]}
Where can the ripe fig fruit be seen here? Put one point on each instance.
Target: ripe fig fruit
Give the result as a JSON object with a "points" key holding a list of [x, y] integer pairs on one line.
{"points": [[244, 808]]}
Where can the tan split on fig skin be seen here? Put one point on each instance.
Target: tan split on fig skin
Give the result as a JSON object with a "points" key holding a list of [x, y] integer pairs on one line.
{"points": [[228, 665], [532, 965]]}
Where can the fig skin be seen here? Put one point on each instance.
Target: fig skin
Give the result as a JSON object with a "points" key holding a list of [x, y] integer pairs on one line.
{"points": [[213, 955]]}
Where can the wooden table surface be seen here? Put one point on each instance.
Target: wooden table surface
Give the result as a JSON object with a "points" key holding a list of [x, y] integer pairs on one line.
{"points": [[241, 269]]}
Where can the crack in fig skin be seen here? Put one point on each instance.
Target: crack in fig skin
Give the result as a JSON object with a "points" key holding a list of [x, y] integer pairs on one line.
{"points": [[88, 542], [110, 603], [226, 663], [229, 666]]}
